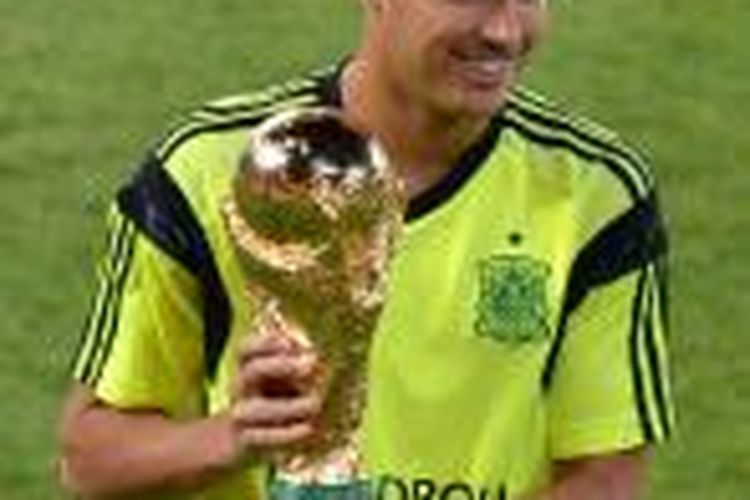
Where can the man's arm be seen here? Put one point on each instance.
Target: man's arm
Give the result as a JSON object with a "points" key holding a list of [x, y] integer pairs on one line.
{"points": [[607, 382], [618, 476], [107, 452]]}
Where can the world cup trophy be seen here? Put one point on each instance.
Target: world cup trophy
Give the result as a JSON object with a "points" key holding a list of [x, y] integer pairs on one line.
{"points": [[314, 214]]}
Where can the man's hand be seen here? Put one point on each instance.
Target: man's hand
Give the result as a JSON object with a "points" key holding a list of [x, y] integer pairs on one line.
{"points": [[277, 395], [276, 401]]}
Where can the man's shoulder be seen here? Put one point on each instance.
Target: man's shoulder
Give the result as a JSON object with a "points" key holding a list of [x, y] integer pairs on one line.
{"points": [[188, 171], [555, 126], [237, 112]]}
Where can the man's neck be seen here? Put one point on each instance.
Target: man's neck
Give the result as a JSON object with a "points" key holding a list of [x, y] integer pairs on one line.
{"points": [[422, 143]]}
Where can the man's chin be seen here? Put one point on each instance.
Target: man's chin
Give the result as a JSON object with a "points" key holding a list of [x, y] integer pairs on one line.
{"points": [[481, 105], [462, 102], [482, 94]]}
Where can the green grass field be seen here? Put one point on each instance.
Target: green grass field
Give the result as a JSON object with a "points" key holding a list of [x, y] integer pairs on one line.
{"points": [[84, 87]]}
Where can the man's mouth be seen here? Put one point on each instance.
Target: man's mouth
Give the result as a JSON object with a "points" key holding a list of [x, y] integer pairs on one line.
{"points": [[485, 67], [485, 72]]}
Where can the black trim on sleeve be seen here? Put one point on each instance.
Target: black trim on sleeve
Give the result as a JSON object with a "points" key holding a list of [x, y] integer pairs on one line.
{"points": [[654, 363], [639, 390], [90, 353], [160, 211], [628, 243], [107, 329]]}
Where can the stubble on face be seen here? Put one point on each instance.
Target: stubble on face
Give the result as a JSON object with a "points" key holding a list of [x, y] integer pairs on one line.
{"points": [[455, 57]]}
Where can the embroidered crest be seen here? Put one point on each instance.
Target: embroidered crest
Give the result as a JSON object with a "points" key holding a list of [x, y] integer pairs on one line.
{"points": [[512, 303]]}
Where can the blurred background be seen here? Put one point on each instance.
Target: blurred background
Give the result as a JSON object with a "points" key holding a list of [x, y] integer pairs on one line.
{"points": [[85, 86]]}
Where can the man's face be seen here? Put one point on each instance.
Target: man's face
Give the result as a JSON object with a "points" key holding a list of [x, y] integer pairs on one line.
{"points": [[456, 57]]}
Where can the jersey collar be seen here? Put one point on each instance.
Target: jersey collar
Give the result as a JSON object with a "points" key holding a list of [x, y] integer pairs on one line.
{"points": [[468, 164]]}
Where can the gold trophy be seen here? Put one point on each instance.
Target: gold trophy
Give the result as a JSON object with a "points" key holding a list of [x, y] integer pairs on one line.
{"points": [[315, 212]]}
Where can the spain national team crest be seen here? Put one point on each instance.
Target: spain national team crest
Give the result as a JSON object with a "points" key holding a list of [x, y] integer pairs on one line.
{"points": [[512, 303]]}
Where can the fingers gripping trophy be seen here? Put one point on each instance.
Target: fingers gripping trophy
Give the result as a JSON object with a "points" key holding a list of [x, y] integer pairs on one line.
{"points": [[314, 214]]}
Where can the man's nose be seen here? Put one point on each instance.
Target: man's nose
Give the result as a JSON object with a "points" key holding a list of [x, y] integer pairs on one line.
{"points": [[502, 24]]}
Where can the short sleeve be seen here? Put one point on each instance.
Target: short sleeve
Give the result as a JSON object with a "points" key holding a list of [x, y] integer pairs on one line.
{"points": [[142, 346], [608, 388], [161, 315]]}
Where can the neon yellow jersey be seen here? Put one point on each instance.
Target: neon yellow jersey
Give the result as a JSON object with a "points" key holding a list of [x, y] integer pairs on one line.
{"points": [[525, 321]]}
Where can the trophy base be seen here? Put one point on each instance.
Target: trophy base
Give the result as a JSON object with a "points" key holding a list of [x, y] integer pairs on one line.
{"points": [[337, 475], [358, 489]]}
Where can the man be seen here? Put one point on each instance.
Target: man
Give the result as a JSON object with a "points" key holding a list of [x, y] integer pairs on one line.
{"points": [[521, 351]]}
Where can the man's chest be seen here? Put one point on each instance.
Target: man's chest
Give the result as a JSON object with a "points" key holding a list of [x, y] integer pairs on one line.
{"points": [[489, 266]]}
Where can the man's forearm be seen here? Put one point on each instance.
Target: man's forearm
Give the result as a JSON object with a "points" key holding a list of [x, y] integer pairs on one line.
{"points": [[109, 453], [585, 488], [619, 476]]}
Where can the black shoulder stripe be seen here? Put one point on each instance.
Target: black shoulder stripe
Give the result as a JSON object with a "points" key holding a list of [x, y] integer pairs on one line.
{"points": [[207, 127], [315, 82], [213, 118], [550, 139], [287, 91], [159, 210], [554, 119], [628, 243]]}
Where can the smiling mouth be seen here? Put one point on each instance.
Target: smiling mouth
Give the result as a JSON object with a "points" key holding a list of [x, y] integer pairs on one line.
{"points": [[486, 72], [485, 66]]}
